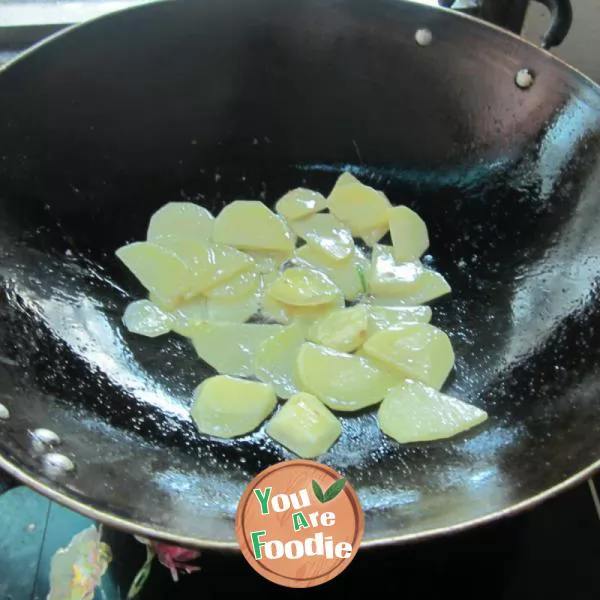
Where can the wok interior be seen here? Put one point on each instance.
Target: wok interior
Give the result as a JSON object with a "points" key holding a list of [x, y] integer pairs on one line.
{"points": [[247, 100]]}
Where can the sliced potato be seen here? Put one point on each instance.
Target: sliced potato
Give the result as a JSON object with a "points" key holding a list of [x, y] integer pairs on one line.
{"points": [[344, 330], [299, 286], [266, 262], [429, 286], [228, 407], [183, 219], [408, 283], [413, 412], [305, 426], [229, 348], [239, 286], [348, 274], [276, 359], [373, 235], [273, 310], [299, 203], [388, 278], [360, 207], [197, 257], [305, 316], [210, 265], [267, 279], [236, 310], [146, 318], [382, 318], [189, 315], [250, 225], [195, 312], [422, 352], [344, 179], [409, 234], [382, 366], [159, 270], [343, 382], [325, 232]]}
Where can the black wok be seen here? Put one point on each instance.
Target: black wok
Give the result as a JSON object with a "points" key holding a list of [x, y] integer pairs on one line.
{"points": [[213, 101]]}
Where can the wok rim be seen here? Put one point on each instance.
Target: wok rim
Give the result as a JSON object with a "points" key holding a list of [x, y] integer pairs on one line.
{"points": [[453, 13], [133, 527]]}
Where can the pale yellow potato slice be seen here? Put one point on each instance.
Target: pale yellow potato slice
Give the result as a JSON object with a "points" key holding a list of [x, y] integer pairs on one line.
{"points": [[407, 283], [343, 382], [349, 274], [238, 310], [382, 366], [228, 407], [429, 286], [276, 359], [239, 286], [388, 278], [422, 352], [273, 310], [210, 265], [190, 315], [146, 318], [187, 316], [359, 207], [227, 262], [326, 233], [382, 318], [409, 234], [300, 286], [413, 412], [344, 330], [230, 348], [183, 219], [299, 203], [305, 426], [373, 235], [305, 316], [159, 270], [236, 300], [345, 178], [197, 257], [268, 278], [266, 262], [250, 225]]}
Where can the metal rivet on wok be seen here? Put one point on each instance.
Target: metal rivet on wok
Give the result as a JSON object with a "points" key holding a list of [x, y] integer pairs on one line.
{"points": [[423, 37], [4, 413], [57, 464], [524, 79], [42, 439]]}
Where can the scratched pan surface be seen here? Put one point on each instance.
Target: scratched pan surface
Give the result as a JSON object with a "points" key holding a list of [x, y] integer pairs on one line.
{"points": [[213, 101]]}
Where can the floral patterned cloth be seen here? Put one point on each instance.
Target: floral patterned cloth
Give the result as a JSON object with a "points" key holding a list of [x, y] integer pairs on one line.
{"points": [[76, 571], [175, 558]]}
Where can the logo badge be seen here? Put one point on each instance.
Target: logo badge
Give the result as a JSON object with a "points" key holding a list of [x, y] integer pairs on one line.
{"points": [[299, 523]]}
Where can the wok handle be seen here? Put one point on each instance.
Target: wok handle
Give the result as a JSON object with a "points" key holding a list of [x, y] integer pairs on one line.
{"points": [[562, 17], [510, 14]]}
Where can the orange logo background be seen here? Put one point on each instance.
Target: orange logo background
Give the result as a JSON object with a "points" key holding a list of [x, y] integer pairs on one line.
{"points": [[311, 531]]}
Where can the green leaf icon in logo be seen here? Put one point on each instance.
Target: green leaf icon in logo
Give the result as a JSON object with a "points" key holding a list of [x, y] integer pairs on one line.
{"points": [[332, 491], [318, 491]]}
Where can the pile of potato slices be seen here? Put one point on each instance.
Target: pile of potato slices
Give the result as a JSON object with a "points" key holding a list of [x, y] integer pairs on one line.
{"points": [[304, 305]]}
